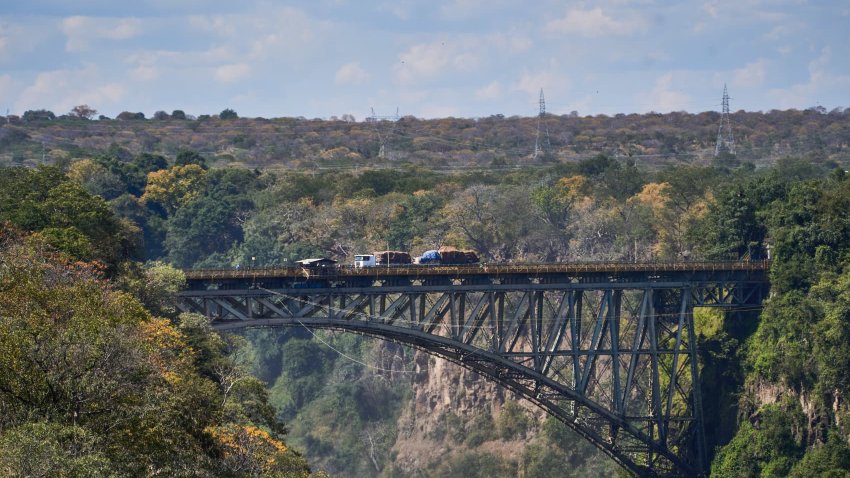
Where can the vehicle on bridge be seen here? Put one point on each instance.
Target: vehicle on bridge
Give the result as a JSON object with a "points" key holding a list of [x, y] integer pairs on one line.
{"points": [[442, 256], [364, 260], [317, 263], [453, 256], [392, 258]]}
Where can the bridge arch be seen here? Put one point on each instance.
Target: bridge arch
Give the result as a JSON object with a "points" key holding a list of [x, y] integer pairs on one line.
{"points": [[497, 369]]}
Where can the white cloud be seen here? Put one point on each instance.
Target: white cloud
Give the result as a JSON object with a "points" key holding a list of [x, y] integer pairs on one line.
{"points": [[436, 111], [459, 54], [595, 23], [821, 82], [61, 90], [428, 60], [401, 9], [232, 72], [490, 91], [751, 75], [531, 83], [458, 9], [711, 8], [150, 65], [145, 73], [777, 32], [350, 74], [278, 33], [581, 105], [7, 86], [665, 97], [82, 31], [516, 43]]}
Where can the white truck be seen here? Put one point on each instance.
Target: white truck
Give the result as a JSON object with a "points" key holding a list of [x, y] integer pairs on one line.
{"points": [[364, 260]]}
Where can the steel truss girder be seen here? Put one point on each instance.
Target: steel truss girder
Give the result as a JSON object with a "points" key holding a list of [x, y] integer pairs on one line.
{"points": [[616, 363]]}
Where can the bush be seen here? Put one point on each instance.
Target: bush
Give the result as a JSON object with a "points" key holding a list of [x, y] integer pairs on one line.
{"points": [[513, 422], [480, 430], [475, 465]]}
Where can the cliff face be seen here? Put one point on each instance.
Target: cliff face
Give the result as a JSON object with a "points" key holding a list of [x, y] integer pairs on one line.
{"points": [[455, 414], [446, 401], [814, 421], [409, 414]]}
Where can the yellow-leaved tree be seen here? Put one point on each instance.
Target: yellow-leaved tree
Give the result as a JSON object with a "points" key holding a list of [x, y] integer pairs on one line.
{"points": [[173, 187]]}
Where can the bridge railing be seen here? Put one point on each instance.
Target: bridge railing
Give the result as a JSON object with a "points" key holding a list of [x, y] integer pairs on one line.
{"points": [[472, 269]]}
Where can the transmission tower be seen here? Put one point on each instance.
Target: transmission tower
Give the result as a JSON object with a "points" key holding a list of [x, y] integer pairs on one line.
{"points": [[541, 145], [725, 141], [379, 124]]}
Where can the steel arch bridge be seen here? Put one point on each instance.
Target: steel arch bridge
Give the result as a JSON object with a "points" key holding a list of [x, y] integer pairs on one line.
{"points": [[608, 349]]}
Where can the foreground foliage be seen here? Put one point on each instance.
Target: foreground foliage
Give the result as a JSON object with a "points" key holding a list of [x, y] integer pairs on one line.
{"points": [[92, 385]]}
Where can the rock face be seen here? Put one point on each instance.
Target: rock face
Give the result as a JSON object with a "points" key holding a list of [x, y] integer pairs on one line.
{"points": [[816, 421], [449, 404]]}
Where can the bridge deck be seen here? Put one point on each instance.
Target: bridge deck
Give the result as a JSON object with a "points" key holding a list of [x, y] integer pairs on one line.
{"points": [[477, 269]]}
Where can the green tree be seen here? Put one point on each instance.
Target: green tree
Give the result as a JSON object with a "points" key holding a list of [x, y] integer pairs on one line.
{"points": [[83, 112], [38, 115], [43, 449], [765, 449], [201, 228], [77, 222], [831, 459], [186, 156]]}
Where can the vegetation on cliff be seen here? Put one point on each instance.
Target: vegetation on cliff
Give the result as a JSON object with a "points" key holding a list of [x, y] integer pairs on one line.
{"points": [[793, 410]]}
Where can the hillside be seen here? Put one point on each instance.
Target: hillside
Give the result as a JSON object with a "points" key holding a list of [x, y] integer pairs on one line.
{"points": [[651, 139]]}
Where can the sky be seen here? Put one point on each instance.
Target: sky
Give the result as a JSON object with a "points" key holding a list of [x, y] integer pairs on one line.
{"points": [[425, 58]]}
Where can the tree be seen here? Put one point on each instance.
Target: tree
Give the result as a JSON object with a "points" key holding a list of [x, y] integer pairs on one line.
{"points": [[201, 228], [186, 156], [130, 116], [766, 448], [96, 179], [228, 114], [72, 219], [178, 115], [174, 187], [161, 116], [496, 221], [83, 112], [45, 449], [92, 385], [38, 115]]}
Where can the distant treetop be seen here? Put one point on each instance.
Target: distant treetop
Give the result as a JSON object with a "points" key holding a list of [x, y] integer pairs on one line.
{"points": [[83, 112]]}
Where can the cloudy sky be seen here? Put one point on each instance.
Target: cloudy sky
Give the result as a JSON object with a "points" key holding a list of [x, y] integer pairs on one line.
{"points": [[428, 58]]}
